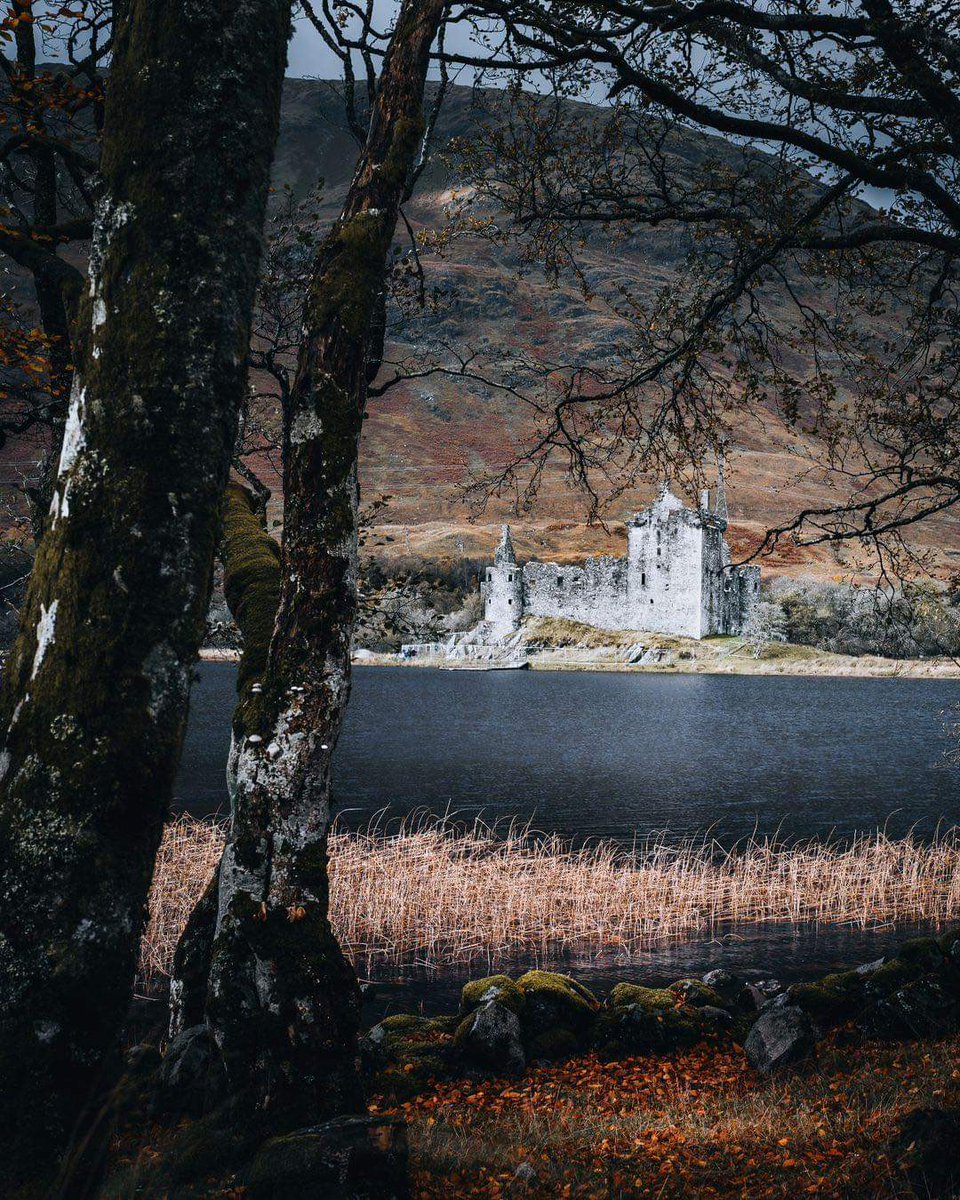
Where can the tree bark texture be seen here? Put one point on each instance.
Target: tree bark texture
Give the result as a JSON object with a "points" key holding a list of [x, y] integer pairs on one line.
{"points": [[95, 691], [282, 1001]]}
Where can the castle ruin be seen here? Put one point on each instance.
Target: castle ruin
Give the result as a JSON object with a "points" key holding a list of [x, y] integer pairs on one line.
{"points": [[675, 579]]}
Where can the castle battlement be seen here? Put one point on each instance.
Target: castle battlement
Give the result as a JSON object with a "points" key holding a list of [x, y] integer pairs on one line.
{"points": [[676, 578]]}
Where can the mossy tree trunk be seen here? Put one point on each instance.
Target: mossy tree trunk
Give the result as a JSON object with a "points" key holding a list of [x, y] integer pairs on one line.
{"points": [[95, 690], [282, 1000]]}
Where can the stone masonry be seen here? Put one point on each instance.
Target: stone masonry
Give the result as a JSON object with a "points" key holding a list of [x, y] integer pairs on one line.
{"points": [[676, 578]]}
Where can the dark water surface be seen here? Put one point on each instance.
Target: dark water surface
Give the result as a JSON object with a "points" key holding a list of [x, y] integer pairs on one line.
{"points": [[622, 755], [617, 754]]}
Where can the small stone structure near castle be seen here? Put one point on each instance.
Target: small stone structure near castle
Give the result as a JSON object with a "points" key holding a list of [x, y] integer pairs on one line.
{"points": [[675, 579]]}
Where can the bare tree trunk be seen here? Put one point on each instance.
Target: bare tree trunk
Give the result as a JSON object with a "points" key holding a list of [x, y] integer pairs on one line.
{"points": [[96, 688], [282, 1000]]}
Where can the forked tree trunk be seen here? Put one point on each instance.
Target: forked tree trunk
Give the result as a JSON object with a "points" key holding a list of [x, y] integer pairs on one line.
{"points": [[282, 1000], [95, 690]]}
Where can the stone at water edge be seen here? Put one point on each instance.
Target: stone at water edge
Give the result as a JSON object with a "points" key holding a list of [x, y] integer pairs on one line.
{"points": [[779, 1036], [350, 1158], [921, 1008], [490, 1037], [727, 985], [492, 987], [763, 990]]}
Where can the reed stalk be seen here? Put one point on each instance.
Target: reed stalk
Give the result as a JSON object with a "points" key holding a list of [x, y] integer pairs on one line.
{"points": [[430, 892]]}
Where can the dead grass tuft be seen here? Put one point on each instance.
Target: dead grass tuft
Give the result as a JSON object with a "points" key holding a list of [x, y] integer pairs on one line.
{"points": [[433, 893]]}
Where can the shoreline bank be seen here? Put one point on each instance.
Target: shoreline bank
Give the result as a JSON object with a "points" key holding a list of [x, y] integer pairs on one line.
{"points": [[819, 664]]}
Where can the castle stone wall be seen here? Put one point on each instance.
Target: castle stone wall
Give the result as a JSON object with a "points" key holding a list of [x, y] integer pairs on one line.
{"points": [[665, 556], [594, 594]]}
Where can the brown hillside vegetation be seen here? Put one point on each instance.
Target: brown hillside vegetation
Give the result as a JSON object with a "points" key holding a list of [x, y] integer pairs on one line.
{"points": [[425, 437]]}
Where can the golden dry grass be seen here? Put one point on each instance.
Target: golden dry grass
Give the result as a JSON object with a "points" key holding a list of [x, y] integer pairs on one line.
{"points": [[429, 892]]}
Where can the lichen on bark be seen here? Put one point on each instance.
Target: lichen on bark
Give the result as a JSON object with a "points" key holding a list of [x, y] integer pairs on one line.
{"points": [[282, 1001], [91, 737]]}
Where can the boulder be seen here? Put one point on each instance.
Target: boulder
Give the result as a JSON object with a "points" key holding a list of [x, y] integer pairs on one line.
{"points": [[553, 1044], [924, 953], [557, 1015], [757, 993], [832, 999], [493, 987], [405, 1051], [191, 1078], [726, 985], [926, 1148], [780, 1036], [350, 1158], [922, 1008], [490, 1037], [625, 994], [719, 1017], [696, 993], [640, 1019]]}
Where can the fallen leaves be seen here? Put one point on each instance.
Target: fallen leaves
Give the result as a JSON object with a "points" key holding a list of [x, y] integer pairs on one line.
{"points": [[690, 1124]]}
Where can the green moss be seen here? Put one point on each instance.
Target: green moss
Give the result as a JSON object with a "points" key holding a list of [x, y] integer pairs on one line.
{"points": [[890, 976], [251, 584], [950, 944], [560, 987], [831, 999], [696, 993], [649, 1024], [921, 952], [403, 1023], [500, 987], [652, 999]]}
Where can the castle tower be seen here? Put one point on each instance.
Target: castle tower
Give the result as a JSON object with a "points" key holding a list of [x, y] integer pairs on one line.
{"points": [[665, 551], [502, 590]]}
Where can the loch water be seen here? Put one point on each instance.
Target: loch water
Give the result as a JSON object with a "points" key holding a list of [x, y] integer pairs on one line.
{"points": [[621, 755], [615, 754]]}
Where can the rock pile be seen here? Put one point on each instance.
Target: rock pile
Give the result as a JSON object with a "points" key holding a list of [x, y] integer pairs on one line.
{"points": [[503, 1024]]}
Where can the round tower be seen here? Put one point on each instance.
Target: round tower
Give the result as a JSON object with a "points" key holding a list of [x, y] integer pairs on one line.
{"points": [[503, 589]]}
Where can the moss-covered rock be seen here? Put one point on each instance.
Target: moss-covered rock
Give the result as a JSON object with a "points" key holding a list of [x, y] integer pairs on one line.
{"points": [[892, 975], [924, 953], [493, 987], [949, 945], [696, 993], [654, 999], [832, 999], [351, 1156], [648, 1025], [490, 1037], [921, 1008], [553, 1044], [403, 1052], [555, 1001]]}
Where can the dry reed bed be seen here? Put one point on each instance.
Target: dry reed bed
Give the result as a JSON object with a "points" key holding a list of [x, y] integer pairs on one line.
{"points": [[430, 892]]}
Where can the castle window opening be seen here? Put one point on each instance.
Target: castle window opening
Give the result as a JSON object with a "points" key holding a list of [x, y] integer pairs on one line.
{"points": [[643, 579], [559, 581]]}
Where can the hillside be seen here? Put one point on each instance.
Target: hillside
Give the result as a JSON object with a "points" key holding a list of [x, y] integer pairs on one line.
{"points": [[425, 436]]}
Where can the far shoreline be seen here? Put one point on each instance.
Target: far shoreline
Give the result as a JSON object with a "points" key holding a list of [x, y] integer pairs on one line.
{"points": [[785, 660]]}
